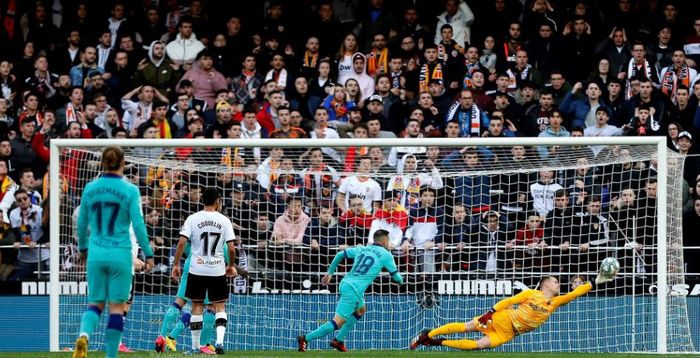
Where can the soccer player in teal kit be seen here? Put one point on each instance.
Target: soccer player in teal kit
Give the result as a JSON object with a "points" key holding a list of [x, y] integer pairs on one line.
{"points": [[109, 206], [369, 261]]}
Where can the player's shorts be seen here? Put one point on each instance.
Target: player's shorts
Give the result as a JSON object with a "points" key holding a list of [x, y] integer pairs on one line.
{"points": [[349, 301], [183, 284], [199, 287], [108, 282], [499, 331]]}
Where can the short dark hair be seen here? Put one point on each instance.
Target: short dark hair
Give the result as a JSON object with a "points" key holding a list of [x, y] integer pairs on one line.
{"points": [[209, 196], [379, 234]]}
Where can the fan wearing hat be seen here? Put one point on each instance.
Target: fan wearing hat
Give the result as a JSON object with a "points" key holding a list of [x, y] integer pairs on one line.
{"points": [[205, 79], [685, 142]]}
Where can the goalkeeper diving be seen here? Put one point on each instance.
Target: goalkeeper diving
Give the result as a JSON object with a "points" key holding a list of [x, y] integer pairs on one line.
{"points": [[504, 321]]}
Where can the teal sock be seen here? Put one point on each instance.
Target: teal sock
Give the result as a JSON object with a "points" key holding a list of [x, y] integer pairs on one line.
{"points": [[207, 327], [321, 331], [113, 336], [347, 327], [171, 316], [90, 319], [181, 324]]}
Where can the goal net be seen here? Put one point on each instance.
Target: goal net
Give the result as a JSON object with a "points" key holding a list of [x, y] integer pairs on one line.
{"points": [[471, 222]]}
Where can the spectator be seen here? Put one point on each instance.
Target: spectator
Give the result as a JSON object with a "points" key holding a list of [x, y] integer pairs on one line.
{"points": [[7, 193], [26, 222], [537, 117], [472, 120], [554, 130], [676, 75], [595, 235], [320, 180], [491, 238], [582, 112], [458, 15], [324, 235], [278, 72], [205, 79], [560, 231], [251, 129], [164, 127], [184, 48], [431, 69], [603, 129], [615, 49], [535, 256], [42, 82], [157, 71], [360, 185], [542, 192], [245, 85], [289, 229], [408, 182], [24, 155], [79, 73], [355, 222], [136, 113], [323, 131], [393, 218], [470, 190], [640, 67], [344, 60], [424, 229]]}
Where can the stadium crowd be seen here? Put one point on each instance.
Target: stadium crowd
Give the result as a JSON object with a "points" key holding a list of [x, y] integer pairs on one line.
{"points": [[358, 69]]}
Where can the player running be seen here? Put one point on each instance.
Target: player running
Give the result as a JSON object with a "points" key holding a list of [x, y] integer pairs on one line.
{"points": [[368, 263], [109, 207], [207, 231], [503, 322]]}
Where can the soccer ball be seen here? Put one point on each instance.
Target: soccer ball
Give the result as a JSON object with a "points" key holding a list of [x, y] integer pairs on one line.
{"points": [[610, 266]]}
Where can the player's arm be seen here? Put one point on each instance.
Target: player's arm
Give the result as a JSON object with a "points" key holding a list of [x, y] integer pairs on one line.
{"points": [[339, 257], [83, 229], [231, 250], [390, 266], [521, 297], [176, 272], [139, 226], [576, 293], [231, 267]]}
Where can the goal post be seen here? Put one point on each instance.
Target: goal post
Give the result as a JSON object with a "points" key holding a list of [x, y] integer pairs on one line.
{"points": [[463, 281]]}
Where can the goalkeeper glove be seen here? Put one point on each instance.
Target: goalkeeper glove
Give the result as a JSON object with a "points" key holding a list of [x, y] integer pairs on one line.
{"points": [[485, 319], [603, 278]]}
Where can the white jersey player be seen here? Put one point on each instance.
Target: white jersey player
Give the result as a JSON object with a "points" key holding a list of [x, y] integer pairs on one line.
{"points": [[208, 231]]}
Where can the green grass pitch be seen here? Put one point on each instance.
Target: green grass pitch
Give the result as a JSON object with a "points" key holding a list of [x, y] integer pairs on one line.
{"points": [[363, 354]]}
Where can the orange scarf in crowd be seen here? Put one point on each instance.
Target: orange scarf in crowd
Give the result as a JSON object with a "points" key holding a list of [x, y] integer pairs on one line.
{"points": [[377, 62], [310, 59], [228, 157], [6, 184], [164, 131]]}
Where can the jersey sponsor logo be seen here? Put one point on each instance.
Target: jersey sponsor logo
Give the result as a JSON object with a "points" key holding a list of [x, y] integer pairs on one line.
{"points": [[537, 308], [480, 287]]}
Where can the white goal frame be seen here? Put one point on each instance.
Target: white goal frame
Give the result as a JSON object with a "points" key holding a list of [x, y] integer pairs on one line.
{"points": [[56, 145]]}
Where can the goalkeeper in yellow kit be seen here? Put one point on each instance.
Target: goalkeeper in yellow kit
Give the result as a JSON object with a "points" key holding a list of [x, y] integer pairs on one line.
{"points": [[505, 321]]}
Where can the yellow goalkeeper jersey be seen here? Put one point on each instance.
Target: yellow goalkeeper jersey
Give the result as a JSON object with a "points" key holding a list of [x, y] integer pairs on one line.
{"points": [[533, 308]]}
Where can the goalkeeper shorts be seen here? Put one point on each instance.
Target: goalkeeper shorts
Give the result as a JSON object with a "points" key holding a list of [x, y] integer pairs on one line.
{"points": [[499, 331]]}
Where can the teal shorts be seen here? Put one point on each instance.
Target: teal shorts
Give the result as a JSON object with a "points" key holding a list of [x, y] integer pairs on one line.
{"points": [[349, 301], [108, 282], [183, 284]]}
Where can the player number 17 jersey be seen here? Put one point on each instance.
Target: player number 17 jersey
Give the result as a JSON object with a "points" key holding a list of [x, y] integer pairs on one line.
{"points": [[208, 233]]}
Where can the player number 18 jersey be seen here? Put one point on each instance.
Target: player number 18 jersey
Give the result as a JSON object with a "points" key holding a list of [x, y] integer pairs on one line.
{"points": [[208, 233]]}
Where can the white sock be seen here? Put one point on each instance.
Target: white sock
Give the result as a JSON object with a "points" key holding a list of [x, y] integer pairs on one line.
{"points": [[220, 329], [196, 329]]}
